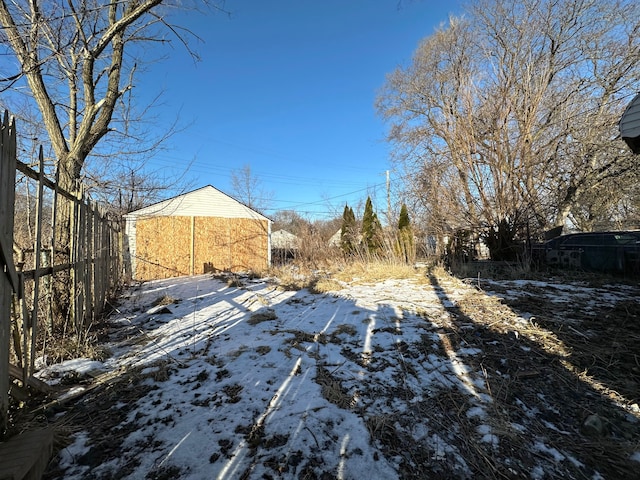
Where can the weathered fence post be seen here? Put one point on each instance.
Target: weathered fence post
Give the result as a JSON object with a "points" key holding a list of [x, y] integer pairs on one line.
{"points": [[37, 247], [8, 276]]}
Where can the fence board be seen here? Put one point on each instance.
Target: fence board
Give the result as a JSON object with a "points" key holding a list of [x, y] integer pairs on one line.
{"points": [[8, 275], [33, 324]]}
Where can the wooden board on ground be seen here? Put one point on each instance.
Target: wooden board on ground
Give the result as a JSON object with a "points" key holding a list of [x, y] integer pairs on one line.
{"points": [[25, 456]]}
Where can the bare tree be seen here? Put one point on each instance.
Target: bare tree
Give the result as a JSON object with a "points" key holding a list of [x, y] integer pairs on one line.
{"points": [[290, 220], [507, 117], [249, 189], [78, 62]]}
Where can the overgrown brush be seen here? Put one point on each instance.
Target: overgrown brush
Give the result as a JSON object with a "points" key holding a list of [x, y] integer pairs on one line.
{"points": [[73, 346], [376, 269], [357, 269], [292, 276]]}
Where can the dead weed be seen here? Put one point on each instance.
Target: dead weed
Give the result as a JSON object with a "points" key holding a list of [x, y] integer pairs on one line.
{"points": [[262, 315]]}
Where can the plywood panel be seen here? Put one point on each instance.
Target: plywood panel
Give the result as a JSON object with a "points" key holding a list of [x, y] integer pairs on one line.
{"points": [[212, 244], [231, 244], [250, 245], [163, 246]]}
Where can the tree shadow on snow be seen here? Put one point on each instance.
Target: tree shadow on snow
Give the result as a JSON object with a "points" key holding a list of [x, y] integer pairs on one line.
{"points": [[546, 414]]}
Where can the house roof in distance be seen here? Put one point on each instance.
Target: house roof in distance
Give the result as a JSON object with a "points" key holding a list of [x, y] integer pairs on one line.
{"points": [[285, 240], [630, 125]]}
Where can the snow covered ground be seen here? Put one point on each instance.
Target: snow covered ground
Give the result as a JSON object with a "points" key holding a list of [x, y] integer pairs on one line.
{"points": [[210, 379]]}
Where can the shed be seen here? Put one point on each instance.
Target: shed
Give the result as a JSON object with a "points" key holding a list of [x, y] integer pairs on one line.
{"points": [[284, 246], [281, 239], [336, 238], [197, 232], [630, 125]]}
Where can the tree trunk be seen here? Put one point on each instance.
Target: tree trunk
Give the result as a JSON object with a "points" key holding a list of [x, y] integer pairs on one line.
{"points": [[63, 235]]}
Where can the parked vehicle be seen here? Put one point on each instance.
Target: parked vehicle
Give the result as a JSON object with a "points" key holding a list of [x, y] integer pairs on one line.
{"points": [[595, 251]]}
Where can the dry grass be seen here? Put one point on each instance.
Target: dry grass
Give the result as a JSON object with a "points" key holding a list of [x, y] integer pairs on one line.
{"points": [[325, 285], [164, 300], [292, 277], [263, 349], [375, 270], [567, 351], [263, 315], [332, 389], [235, 281], [159, 371], [70, 347], [357, 270]]}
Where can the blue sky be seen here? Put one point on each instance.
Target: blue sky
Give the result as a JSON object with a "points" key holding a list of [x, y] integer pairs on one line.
{"points": [[288, 87]]}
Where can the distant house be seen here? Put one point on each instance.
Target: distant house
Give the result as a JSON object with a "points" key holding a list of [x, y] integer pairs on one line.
{"points": [[284, 245], [336, 239], [630, 125], [197, 232]]}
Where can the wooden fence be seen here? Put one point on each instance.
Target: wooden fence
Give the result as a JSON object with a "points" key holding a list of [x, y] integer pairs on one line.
{"points": [[90, 267]]}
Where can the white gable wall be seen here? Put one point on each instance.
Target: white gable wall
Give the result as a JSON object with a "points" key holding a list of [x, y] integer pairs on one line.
{"points": [[204, 202]]}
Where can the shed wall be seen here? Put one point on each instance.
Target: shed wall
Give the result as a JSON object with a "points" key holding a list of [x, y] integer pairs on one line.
{"points": [[176, 245]]}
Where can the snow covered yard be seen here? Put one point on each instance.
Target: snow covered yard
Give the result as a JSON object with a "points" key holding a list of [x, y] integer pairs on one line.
{"points": [[426, 377]]}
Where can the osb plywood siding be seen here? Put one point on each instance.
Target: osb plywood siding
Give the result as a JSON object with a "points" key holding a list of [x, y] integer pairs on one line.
{"points": [[250, 244], [163, 247], [212, 246], [174, 246]]}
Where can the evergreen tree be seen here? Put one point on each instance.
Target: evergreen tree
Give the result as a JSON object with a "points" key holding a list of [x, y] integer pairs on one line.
{"points": [[371, 229], [348, 231], [405, 247], [404, 222], [377, 241]]}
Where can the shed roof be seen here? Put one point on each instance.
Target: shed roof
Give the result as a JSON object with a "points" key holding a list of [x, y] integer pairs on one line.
{"points": [[336, 238], [206, 201], [285, 240], [630, 125]]}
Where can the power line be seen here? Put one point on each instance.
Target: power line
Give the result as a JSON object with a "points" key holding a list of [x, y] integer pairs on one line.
{"points": [[198, 167]]}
